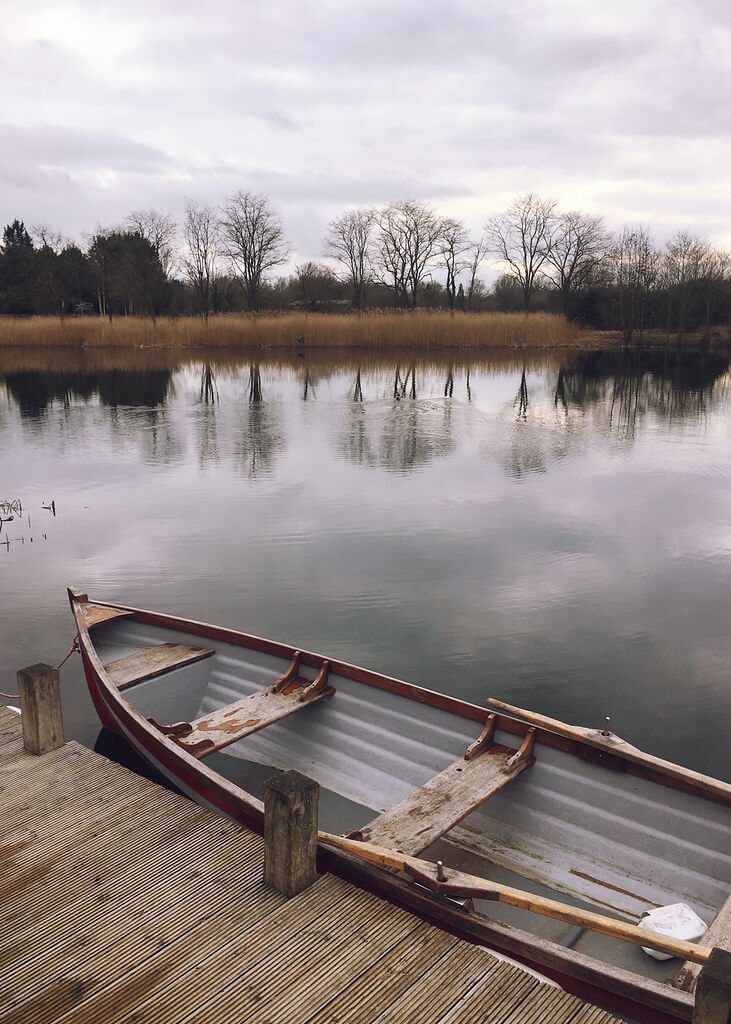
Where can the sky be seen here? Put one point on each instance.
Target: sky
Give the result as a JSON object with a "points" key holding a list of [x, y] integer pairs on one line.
{"points": [[617, 109]]}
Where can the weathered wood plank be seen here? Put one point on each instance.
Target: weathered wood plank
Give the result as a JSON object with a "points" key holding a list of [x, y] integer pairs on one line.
{"points": [[504, 989], [127, 902], [154, 661], [388, 978], [234, 721], [718, 934], [199, 964], [428, 997], [210, 896], [95, 614], [431, 810]]}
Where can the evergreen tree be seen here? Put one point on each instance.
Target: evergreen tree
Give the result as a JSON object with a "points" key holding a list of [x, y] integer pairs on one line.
{"points": [[17, 270]]}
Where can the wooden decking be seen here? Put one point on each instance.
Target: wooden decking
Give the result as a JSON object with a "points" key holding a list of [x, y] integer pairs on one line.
{"points": [[121, 901]]}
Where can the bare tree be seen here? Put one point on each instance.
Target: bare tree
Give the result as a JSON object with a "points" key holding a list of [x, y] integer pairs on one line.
{"points": [[453, 245], [578, 243], [480, 250], [49, 285], [684, 262], [348, 241], [160, 230], [200, 230], [317, 283], [521, 238], [715, 271], [636, 265], [253, 240], [408, 233]]}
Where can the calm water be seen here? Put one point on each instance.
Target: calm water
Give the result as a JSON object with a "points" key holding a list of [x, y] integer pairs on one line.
{"points": [[555, 532]]}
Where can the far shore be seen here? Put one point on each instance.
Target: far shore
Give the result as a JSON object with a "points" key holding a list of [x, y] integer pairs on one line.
{"points": [[418, 330]]}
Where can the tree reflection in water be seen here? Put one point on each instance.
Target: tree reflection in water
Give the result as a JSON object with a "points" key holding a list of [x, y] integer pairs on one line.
{"points": [[676, 387], [358, 389], [209, 391], [521, 401], [402, 435], [262, 439], [34, 392], [557, 400]]}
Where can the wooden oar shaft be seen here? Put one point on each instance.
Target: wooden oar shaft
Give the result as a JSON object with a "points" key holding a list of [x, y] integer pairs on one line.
{"points": [[707, 786], [464, 884], [571, 732]]}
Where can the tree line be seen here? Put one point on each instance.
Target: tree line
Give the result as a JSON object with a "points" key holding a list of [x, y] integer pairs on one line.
{"points": [[402, 255]]}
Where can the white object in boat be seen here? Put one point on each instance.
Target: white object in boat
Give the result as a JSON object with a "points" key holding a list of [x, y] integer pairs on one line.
{"points": [[677, 921]]}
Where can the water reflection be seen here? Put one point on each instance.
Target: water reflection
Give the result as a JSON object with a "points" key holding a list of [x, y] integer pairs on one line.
{"points": [[260, 439], [616, 389], [457, 522], [673, 386], [35, 392]]}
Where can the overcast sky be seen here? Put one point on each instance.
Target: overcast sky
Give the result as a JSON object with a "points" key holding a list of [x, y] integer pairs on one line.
{"points": [[617, 108]]}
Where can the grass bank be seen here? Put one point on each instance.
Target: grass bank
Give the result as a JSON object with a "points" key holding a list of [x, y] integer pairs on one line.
{"points": [[387, 329]]}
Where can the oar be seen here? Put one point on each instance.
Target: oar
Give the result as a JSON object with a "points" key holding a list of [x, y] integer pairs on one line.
{"points": [[457, 883], [603, 741], [571, 732]]}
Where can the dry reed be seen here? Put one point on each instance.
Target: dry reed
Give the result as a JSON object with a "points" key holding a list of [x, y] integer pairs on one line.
{"points": [[16, 359], [421, 329]]}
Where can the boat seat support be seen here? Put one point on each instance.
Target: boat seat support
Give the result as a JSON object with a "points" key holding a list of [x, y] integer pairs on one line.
{"points": [[290, 674], [483, 741], [523, 757]]}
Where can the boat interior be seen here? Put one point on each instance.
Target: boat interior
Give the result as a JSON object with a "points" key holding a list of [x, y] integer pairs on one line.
{"points": [[430, 782]]}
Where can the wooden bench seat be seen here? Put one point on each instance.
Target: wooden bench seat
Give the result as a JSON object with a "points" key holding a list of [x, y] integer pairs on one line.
{"points": [[430, 811], [153, 661], [228, 724], [95, 614]]}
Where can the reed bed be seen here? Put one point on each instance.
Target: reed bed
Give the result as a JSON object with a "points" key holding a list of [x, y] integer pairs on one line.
{"points": [[384, 329]]}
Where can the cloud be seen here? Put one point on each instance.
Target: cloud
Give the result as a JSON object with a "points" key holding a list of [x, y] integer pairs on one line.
{"points": [[326, 106]]}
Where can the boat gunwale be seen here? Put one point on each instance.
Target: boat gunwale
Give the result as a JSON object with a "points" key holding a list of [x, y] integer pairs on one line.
{"points": [[618, 757]]}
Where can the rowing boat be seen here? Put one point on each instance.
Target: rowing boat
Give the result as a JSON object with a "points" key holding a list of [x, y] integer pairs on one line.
{"points": [[565, 811]]}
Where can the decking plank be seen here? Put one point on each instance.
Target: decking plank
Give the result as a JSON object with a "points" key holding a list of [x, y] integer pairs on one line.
{"points": [[289, 986], [154, 661], [429, 997], [175, 980], [228, 724], [430, 811], [385, 980], [503, 989], [158, 910]]}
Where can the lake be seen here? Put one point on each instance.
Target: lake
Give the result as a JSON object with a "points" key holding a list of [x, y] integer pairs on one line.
{"points": [[552, 529]]}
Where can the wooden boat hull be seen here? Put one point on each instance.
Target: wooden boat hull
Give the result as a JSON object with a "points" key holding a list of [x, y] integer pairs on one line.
{"points": [[371, 710]]}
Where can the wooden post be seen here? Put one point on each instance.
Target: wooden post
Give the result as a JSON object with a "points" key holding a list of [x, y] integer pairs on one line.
{"points": [[713, 991], [39, 687], [290, 832]]}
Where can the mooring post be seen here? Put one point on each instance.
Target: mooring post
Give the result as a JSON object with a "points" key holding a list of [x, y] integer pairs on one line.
{"points": [[290, 832], [713, 991], [39, 688]]}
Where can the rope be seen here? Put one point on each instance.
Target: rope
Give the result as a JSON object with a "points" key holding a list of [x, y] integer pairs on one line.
{"points": [[74, 648]]}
